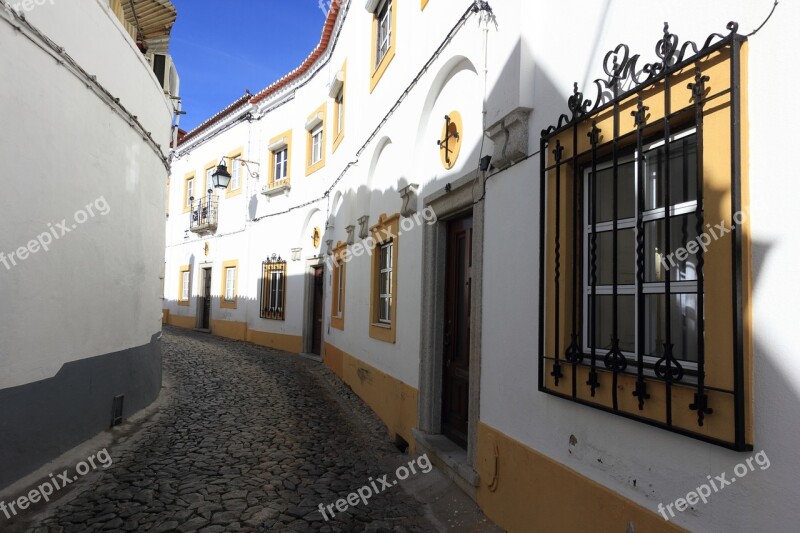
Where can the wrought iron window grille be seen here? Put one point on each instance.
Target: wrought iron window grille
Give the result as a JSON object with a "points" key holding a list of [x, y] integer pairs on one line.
{"points": [[589, 135], [273, 288]]}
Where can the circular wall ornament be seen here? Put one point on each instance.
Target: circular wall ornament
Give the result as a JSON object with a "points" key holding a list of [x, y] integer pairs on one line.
{"points": [[450, 142]]}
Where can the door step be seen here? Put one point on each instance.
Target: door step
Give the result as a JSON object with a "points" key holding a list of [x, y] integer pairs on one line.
{"points": [[202, 330]]}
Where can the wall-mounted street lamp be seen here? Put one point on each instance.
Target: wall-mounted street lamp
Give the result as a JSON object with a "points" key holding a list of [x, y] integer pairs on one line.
{"points": [[221, 177]]}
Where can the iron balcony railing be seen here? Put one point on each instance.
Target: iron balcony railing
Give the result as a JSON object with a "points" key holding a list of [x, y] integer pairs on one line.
{"points": [[203, 215]]}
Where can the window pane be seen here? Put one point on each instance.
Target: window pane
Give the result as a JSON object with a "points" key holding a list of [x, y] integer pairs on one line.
{"points": [[626, 323], [683, 230], [626, 197], [682, 169], [683, 311], [626, 255]]}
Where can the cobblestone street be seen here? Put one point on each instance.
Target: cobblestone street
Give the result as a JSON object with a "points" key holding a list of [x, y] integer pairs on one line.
{"points": [[248, 439]]}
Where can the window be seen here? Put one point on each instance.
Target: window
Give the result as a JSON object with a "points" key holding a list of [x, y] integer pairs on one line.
{"points": [[339, 100], [229, 285], [384, 32], [184, 285], [188, 192], [273, 293], [599, 296], [315, 140], [644, 300], [280, 159], [383, 304], [385, 283], [338, 289], [230, 281], [337, 90], [316, 146], [384, 40], [280, 150], [236, 168]]}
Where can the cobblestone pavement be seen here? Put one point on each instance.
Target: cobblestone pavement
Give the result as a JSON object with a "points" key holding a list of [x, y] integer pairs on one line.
{"points": [[248, 439]]}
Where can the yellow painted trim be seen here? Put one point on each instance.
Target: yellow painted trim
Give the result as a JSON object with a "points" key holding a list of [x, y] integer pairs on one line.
{"points": [[387, 229], [534, 493], [393, 401], [339, 264], [719, 338], [190, 176], [224, 303], [182, 321], [181, 301], [165, 316], [310, 169], [276, 341], [236, 154], [376, 72], [338, 135], [288, 136], [454, 144], [229, 329]]}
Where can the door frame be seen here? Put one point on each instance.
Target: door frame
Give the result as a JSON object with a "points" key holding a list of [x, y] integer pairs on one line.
{"points": [[448, 205], [308, 304], [202, 267]]}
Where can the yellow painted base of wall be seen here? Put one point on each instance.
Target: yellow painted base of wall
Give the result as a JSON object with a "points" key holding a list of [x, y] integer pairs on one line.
{"points": [[230, 330], [534, 493], [187, 322], [277, 341], [392, 400], [165, 316]]}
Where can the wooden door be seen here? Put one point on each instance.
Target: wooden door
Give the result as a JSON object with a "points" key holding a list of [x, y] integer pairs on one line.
{"points": [[205, 322], [316, 333], [458, 292]]}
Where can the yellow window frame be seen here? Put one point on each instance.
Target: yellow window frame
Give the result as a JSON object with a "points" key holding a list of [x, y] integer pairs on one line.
{"points": [[313, 167], [377, 70], [386, 230], [224, 303]]}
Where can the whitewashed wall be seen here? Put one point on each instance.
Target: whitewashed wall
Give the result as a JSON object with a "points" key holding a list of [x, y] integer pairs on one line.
{"points": [[97, 290], [665, 466]]}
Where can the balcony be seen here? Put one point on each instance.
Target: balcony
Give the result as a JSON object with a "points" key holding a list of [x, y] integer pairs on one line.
{"points": [[203, 215], [277, 188]]}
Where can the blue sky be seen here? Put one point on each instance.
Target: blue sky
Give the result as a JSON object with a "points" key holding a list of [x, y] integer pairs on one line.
{"points": [[222, 47]]}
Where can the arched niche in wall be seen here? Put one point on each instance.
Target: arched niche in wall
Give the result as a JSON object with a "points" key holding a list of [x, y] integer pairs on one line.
{"points": [[375, 198], [314, 219], [455, 88]]}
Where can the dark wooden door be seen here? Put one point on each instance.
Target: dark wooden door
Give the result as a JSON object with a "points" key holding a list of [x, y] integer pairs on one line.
{"points": [[206, 318], [316, 333], [458, 292]]}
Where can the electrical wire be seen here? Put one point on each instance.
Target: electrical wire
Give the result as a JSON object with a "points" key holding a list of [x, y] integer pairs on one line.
{"points": [[48, 46], [775, 5], [475, 7]]}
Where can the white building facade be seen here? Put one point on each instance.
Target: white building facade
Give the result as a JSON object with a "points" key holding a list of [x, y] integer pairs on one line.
{"points": [[85, 139], [411, 205]]}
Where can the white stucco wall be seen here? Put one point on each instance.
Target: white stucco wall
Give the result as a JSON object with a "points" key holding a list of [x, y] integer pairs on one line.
{"points": [[97, 289], [665, 466], [535, 54]]}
